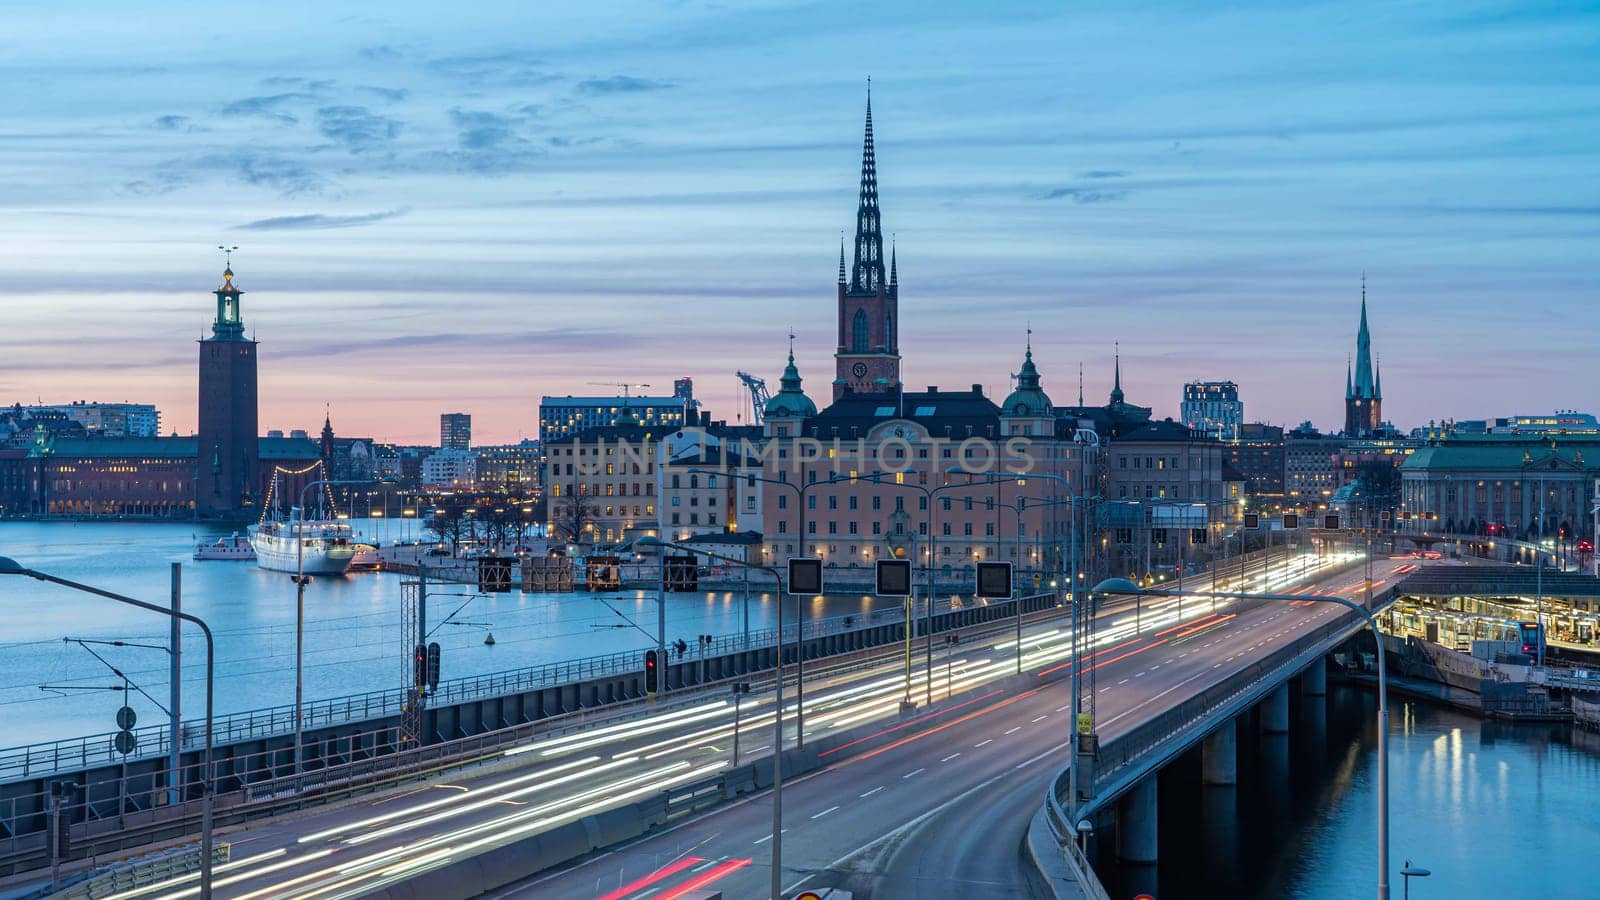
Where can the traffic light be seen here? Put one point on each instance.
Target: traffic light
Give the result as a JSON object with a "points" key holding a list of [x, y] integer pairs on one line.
{"points": [[894, 578], [419, 667], [433, 666], [650, 673], [805, 576], [994, 580]]}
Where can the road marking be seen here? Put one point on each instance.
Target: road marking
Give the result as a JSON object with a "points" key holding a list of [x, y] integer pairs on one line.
{"points": [[950, 757], [1040, 719], [706, 865], [1062, 708], [763, 839], [824, 812], [989, 741], [871, 792], [910, 774], [1140, 675], [1123, 681], [1014, 730]]}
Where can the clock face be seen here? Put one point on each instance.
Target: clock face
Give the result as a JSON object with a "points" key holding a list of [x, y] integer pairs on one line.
{"points": [[859, 370]]}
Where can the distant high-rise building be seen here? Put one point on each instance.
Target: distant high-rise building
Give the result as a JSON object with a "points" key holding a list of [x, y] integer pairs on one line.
{"points": [[455, 431], [1363, 389], [229, 453], [1213, 408], [111, 420]]}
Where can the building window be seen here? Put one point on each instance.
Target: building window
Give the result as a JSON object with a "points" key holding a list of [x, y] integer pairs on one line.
{"points": [[852, 528], [833, 527], [945, 528], [877, 503], [711, 518], [811, 501], [858, 328], [783, 501], [833, 501], [852, 501]]}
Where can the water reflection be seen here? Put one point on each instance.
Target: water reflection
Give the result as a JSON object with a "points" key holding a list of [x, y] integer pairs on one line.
{"points": [[1493, 809]]}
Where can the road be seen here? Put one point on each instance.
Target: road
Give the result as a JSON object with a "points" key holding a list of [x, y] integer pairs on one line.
{"points": [[943, 812], [927, 809]]}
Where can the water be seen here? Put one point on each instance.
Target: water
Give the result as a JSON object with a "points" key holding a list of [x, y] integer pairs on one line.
{"points": [[352, 634], [1493, 810]]}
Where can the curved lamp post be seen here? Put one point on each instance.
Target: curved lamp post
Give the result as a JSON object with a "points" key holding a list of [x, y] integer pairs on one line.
{"points": [[777, 713], [1124, 586], [10, 566]]}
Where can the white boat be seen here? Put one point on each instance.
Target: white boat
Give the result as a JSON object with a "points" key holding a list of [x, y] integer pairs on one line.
{"points": [[231, 547], [315, 546]]}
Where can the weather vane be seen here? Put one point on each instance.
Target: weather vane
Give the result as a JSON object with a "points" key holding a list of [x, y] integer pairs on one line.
{"points": [[228, 254]]}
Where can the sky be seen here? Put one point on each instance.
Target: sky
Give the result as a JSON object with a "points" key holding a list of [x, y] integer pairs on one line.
{"points": [[464, 207]]}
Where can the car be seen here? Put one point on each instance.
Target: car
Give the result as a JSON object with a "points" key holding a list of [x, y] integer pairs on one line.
{"points": [[437, 551]]}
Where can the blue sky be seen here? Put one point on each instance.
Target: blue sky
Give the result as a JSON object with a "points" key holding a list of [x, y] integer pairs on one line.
{"points": [[466, 207]]}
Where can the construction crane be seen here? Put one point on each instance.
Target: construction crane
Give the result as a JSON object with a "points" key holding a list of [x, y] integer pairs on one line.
{"points": [[758, 397], [619, 384]]}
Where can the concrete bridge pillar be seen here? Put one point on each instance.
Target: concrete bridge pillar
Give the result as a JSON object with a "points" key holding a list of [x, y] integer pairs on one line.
{"points": [[1219, 759], [1136, 823], [1275, 711], [1314, 680]]}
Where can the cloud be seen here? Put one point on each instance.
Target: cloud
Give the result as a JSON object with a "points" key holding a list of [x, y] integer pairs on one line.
{"points": [[250, 167], [1084, 195], [381, 52], [515, 68], [356, 127], [318, 221], [1105, 173], [478, 130], [267, 107], [320, 84], [393, 95], [621, 84], [171, 123]]}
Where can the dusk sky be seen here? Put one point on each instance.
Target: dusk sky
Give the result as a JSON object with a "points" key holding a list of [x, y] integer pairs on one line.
{"points": [[466, 206]]}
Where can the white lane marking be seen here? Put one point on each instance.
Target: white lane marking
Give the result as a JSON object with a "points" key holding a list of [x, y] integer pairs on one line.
{"points": [[1040, 719], [763, 839], [705, 865], [824, 812], [910, 774], [1123, 681], [1014, 730], [871, 792], [1062, 708], [989, 741], [950, 757]]}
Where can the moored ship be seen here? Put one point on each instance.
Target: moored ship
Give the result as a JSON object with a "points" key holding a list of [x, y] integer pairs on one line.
{"points": [[315, 547]]}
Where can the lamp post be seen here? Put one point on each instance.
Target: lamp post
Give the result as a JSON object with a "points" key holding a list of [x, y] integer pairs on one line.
{"points": [[300, 618], [1019, 508], [1124, 586], [1409, 872], [10, 566], [777, 713]]}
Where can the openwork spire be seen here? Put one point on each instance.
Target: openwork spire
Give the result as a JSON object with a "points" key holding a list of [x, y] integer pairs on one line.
{"points": [[868, 272], [1116, 384], [841, 257]]}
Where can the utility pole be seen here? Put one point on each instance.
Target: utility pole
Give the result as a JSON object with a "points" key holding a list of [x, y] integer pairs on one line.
{"points": [[174, 788]]}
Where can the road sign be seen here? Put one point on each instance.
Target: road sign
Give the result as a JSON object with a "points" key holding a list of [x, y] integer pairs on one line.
{"points": [[1291, 521], [125, 742], [1331, 522], [994, 580], [894, 578], [1252, 520], [126, 718], [805, 576]]}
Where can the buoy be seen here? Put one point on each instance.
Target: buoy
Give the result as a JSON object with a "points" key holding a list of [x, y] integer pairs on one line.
{"points": [[489, 639]]}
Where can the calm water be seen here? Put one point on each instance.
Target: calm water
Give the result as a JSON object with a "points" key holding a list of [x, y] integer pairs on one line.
{"points": [[1494, 810], [353, 640]]}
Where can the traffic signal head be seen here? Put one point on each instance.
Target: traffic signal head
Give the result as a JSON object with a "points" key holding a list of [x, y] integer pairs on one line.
{"points": [[805, 576], [419, 667], [433, 666], [894, 578], [994, 580], [651, 675]]}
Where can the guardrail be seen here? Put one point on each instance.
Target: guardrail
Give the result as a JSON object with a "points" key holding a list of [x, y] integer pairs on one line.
{"points": [[47, 757], [1145, 747], [381, 761]]}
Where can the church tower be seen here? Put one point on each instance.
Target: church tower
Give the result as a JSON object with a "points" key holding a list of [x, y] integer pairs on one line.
{"points": [[229, 460], [1363, 389], [868, 358]]}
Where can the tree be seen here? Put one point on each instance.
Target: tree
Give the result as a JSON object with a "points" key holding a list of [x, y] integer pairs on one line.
{"points": [[573, 516]]}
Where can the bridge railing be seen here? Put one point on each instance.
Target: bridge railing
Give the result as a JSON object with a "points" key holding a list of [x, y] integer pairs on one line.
{"points": [[154, 740]]}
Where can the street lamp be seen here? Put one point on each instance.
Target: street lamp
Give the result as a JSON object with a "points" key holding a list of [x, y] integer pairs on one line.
{"points": [[777, 713], [10, 566], [1124, 586], [1410, 872]]}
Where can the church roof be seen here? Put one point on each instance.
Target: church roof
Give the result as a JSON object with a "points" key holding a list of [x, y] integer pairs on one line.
{"points": [[1029, 399]]}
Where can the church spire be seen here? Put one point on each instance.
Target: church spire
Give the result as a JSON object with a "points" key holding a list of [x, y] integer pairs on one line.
{"points": [[867, 275], [894, 263], [841, 257], [1364, 386], [1116, 384]]}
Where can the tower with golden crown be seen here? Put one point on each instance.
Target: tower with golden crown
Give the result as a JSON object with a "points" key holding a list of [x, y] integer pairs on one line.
{"points": [[228, 455]]}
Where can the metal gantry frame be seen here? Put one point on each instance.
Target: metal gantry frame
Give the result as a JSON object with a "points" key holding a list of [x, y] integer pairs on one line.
{"points": [[413, 625]]}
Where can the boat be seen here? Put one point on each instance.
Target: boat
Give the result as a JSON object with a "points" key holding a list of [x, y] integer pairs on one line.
{"points": [[231, 547], [312, 546]]}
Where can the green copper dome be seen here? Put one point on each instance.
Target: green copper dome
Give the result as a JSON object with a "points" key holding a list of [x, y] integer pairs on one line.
{"points": [[790, 402], [1029, 399]]}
